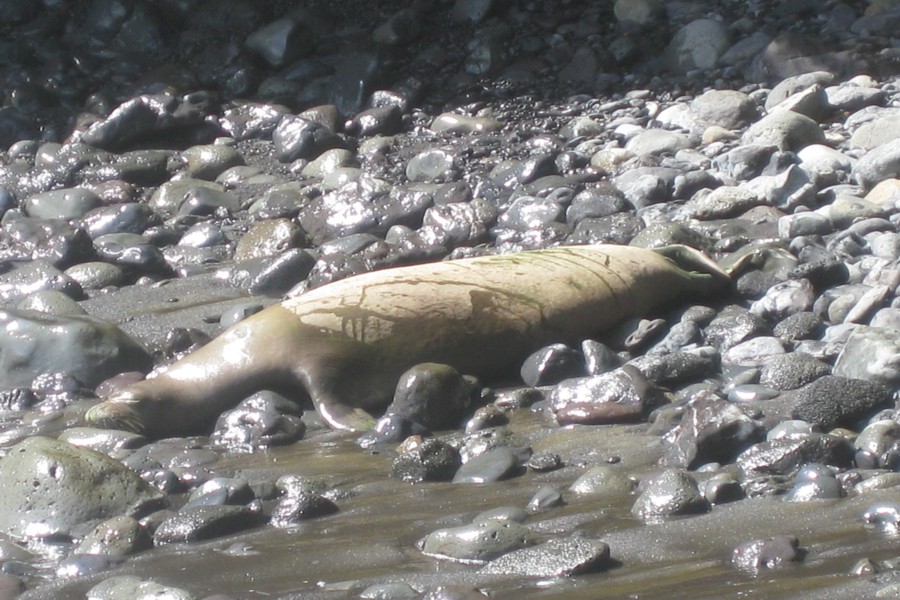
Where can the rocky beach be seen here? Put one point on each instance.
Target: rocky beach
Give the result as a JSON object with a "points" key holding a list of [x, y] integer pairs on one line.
{"points": [[171, 168]]}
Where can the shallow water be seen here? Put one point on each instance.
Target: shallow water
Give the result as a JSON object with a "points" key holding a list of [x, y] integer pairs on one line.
{"points": [[372, 539]]}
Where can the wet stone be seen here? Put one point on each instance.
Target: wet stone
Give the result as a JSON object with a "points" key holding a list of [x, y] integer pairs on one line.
{"points": [[296, 137], [86, 348], [203, 523], [65, 204], [554, 558], [544, 499], [83, 565], [428, 460], [101, 440], [783, 455], [478, 542], [883, 517], [116, 538], [130, 587], [623, 395], [770, 553], [210, 160], [52, 487], [432, 395], [493, 465], [871, 353], [711, 430], [262, 420], [551, 365], [296, 507], [669, 493]]}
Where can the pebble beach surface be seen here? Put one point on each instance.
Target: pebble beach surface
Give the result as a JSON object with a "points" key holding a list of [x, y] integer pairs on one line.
{"points": [[173, 167]]}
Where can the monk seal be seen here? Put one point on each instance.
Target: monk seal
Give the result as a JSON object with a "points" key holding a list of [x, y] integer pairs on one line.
{"points": [[346, 344]]}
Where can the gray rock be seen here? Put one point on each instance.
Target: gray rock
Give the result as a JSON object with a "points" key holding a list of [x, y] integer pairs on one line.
{"points": [[623, 395], [86, 348], [117, 537], [425, 460], [281, 41], [603, 482], [478, 542], [203, 523], [872, 354], [657, 141], [51, 487], [793, 370], [432, 395], [786, 130], [296, 507], [876, 132], [37, 276], [789, 86], [787, 190], [493, 465], [550, 365], [711, 430], [457, 123], [210, 160], [721, 203], [295, 137], [725, 108], [697, 45], [770, 553], [835, 401], [555, 558], [130, 587], [880, 163], [672, 492], [71, 203], [785, 299], [784, 455]]}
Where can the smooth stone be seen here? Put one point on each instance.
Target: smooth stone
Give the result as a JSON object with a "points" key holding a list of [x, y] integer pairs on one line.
{"points": [[268, 238], [493, 465], [203, 523], [770, 553], [131, 587], [102, 440], [657, 141], [786, 130], [71, 203], [51, 487], [52, 302], [432, 395], [879, 164], [550, 365], [672, 492], [96, 275], [697, 45], [117, 537], [623, 395], [88, 349], [210, 160], [457, 123], [434, 165], [478, 542], [603, 482], [872, 354]]}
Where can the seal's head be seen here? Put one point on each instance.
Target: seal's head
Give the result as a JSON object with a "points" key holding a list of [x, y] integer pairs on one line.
{"points": [[119, 411]]}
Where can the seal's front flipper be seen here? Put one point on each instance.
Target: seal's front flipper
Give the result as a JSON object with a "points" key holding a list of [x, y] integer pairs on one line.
{"points": [[339, 415]]}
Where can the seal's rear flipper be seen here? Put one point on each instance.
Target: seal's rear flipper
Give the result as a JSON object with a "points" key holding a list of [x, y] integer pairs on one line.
{"points": [[339, 415]]}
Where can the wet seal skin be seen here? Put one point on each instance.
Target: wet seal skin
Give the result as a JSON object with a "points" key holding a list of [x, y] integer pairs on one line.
{"points": [[346, 344]]}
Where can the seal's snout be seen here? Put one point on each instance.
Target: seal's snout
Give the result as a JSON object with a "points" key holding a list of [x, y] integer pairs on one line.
{"points": [[115, 414]]}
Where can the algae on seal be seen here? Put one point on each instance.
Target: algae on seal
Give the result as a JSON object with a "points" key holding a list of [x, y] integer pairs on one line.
{"points": [[346, 344]]}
